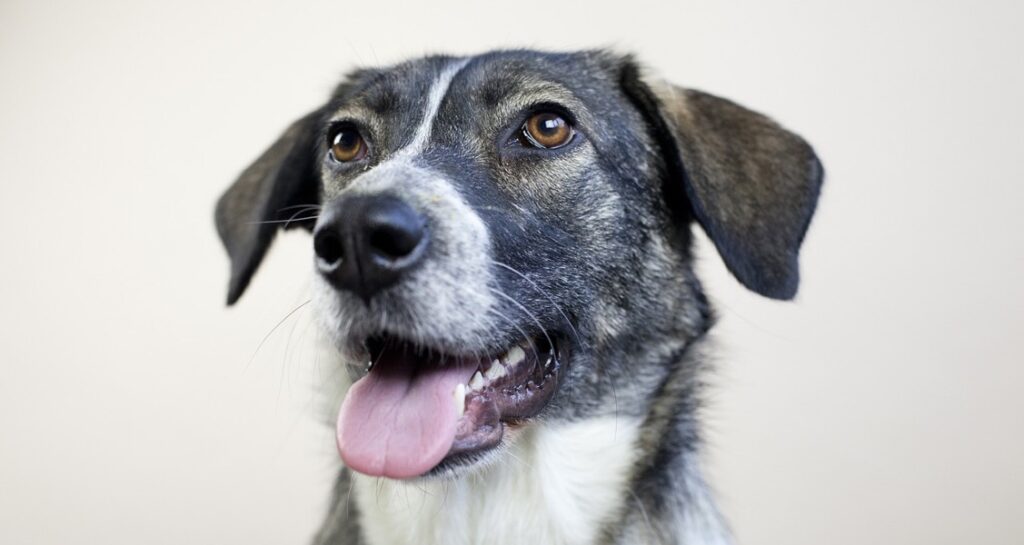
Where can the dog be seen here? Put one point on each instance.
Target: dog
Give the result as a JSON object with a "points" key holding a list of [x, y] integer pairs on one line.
{"points": [[503, 261]]}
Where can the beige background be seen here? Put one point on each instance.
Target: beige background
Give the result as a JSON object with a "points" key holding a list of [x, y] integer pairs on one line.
{"points": [[884, 406]]}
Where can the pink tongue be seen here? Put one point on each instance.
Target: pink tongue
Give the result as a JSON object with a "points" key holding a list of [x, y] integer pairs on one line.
{"points": [[399, 420]]}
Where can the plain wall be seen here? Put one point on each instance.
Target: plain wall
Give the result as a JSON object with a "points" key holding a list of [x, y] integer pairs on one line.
{"points": [[882, 406]]}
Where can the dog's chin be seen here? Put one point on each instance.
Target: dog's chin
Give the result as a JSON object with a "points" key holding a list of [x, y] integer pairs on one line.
{"points": [[456, 466], [502, 395]]}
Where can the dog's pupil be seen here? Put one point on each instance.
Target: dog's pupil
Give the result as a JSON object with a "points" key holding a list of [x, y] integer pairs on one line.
{"points": [[547, 130], [550, 124], [346, 139]]}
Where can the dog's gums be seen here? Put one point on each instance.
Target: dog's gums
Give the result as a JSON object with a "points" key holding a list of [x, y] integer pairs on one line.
{"points": [[418, 411]]}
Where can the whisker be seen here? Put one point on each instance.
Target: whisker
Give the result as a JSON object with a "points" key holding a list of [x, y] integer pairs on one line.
{"points": [[303, 206], [271, 332], [526, 338], [527, 312], [302, 209], [287, 221], [545, 294]]}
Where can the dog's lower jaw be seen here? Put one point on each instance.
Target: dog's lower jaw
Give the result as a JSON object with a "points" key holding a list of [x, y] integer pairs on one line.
{"points": [[596, 481]]}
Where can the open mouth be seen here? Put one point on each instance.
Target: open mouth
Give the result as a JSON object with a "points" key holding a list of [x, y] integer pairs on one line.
{"points": [[418, 410]]}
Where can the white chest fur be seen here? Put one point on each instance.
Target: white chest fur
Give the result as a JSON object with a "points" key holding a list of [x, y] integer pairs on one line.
{"points": [[556, 485]]}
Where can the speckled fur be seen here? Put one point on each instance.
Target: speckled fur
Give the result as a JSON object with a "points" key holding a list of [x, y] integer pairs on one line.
{"points": [[592, 241]]}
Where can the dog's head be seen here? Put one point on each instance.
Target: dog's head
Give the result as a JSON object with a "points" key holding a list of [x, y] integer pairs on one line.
{"points": [[506, 238]]}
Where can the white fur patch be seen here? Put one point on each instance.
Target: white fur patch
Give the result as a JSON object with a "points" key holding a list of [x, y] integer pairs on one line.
{"points": [[437, 93], [557, 484]]}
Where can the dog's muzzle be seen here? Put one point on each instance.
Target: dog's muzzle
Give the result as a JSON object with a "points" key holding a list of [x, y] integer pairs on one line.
{"points": [[418, 411], [368, 243]]}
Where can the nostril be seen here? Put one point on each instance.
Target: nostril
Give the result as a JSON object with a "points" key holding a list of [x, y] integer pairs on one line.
{"points": [[327, 246], [369, 243], [396, 241]]}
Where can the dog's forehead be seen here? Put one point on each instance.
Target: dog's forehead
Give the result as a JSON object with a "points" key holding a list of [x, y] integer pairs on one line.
{"points": [[494, 77], [485, 83]]}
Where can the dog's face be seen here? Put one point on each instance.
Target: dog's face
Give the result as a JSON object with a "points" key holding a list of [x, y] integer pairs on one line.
{"points": [[506, 239]]}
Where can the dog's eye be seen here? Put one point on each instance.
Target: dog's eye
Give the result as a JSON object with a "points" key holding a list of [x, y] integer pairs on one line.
{"points": [[547, 130], [347, 144]]}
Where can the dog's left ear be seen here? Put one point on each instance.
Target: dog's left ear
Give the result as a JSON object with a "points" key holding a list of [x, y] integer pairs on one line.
{"points": [[751, 184], [268, 195]]}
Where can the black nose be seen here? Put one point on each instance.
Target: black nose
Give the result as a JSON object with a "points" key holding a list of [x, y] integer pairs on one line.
{"points": [[370, 242]]}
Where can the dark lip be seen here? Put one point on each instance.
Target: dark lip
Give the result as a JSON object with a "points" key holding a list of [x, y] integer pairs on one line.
{"points": [[515, 405], [453, 463], [510, 400]]}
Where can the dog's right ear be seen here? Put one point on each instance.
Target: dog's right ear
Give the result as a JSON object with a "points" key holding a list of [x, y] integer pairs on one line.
{"points": [[270, 194]]}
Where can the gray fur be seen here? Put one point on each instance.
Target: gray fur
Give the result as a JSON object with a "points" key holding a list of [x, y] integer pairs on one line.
{"points": [[591, 241], [341, 526], [459, 259]]}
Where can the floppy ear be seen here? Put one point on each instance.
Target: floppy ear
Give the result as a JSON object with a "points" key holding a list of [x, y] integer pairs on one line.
{"points": [[751, 184], [268, 195]]}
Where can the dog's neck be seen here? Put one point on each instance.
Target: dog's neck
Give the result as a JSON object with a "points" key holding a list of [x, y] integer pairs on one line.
{"points": [[556, 484], [601, 480]]}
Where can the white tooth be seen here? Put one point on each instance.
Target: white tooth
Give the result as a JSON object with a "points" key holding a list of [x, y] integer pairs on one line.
{"points": [[477, 382], [460, 399], [514, 356], [496, 371]]}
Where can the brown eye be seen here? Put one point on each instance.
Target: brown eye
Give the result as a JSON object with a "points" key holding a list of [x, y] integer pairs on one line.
{"points": [[547, 130], [347, 144]]}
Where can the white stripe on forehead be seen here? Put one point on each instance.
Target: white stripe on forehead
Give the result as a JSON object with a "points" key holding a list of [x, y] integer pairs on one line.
{"points": [[437, 93]]}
